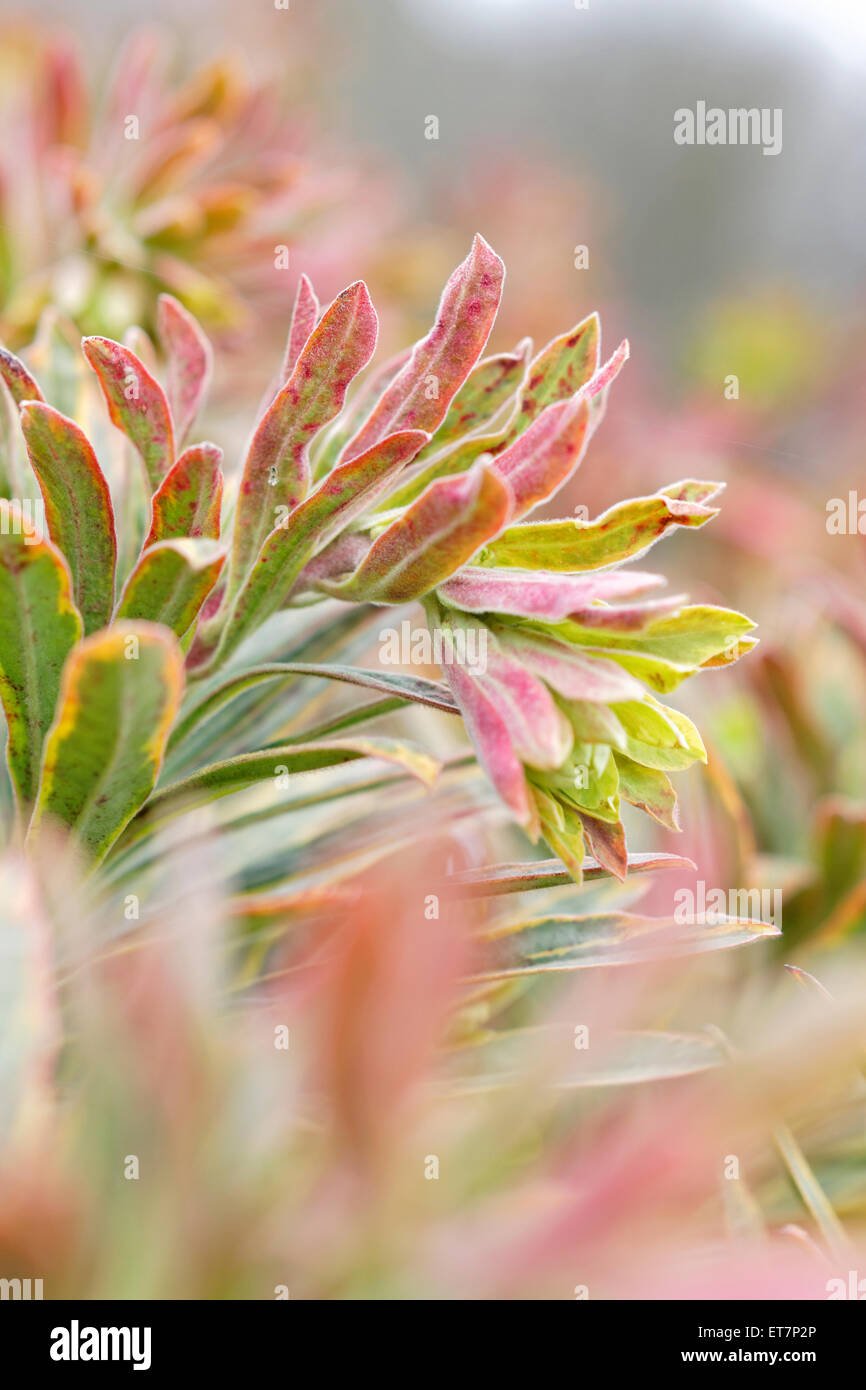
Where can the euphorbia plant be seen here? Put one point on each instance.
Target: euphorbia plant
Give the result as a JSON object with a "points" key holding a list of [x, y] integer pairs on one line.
{"points": [[132, 627]]}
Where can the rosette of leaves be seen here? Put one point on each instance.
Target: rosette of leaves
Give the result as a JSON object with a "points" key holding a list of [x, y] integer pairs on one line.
{"points": [[112, 192], [131, 634]]}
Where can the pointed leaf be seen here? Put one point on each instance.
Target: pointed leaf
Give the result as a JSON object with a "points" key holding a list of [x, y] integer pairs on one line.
{"points": [[234, 774], [188, 501], [549, 873], [545, 455], [565, 365], [567, 671], [624, 532], [121, 692], [77, 507], [304, 315], [493, 383], [345, 493], [605, 939], [19, 382], [415, 689], [170, 583], [491, 738], [648, 789], [136, 404], [446, 356], [39, 626], [277, 468], [433, 538], [535, 594], [190, 362]]}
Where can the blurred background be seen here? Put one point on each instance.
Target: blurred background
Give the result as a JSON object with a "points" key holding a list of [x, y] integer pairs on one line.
{"points": [[373, 140]]}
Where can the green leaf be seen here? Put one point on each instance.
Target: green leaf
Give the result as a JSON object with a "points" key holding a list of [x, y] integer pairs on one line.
{"points": [[672, 647], [492, 383], [603, 939], [627, 1058], [549, 873], [268, 765], [415, 689], [39, 626], [18, 381], [121, 692], [658, 736], [136, 404], [346, 492], [561, 368], [277, 467], [624, 532], [188, 501], [77, 507], [170, 583]]}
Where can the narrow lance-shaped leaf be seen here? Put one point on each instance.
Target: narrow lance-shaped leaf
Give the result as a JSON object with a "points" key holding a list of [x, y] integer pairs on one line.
{"points": [[548, 597], [611, 938], [21, 385], [344, 494], [359, 405], [550, 873], [187, 502], [190, 362], [539, 731], [121, 692], [624, 532], [77, 507], [433, 538], [39, 626], [248, 769], [171, 582], [277, 468], [567, 671], [565, 365], [490, 385], [415, 689], [606, 841], [136, 404], [455, 458], [545, 456], [420, 394], [491, 737], [304, 315]]}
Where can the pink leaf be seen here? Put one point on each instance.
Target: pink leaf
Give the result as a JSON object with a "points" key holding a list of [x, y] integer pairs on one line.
{"points": [[489, 733], [446, 356], [539, 731], [277, 468], [190, 361], [544, 457], [568, 671], [136, 403], [304, 316], [433, 538], [540, 594]]}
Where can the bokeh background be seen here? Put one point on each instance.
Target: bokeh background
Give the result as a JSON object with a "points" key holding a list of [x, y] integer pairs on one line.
{"points": [[555, 131]]}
